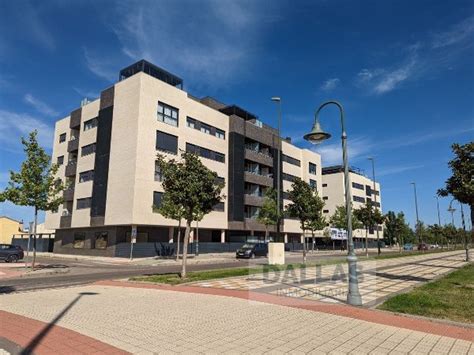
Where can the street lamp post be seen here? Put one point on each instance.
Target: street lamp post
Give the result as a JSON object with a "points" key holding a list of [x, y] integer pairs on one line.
{"points": [[439, 218], [316, 136], [278, 101], [416, 210], [466, 246], [375, 200]]}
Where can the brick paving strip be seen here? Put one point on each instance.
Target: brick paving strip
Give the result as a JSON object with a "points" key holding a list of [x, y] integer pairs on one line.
{"points": [[23, 331], [369, 315]]}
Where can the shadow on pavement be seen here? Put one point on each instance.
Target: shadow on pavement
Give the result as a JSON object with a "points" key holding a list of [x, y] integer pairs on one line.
{"points": [[29, 349], [7, 289]]}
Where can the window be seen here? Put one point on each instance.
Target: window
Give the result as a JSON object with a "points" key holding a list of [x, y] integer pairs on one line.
{"points": [[220, 180], [325, 185], [157, 197], [191, 122], [83, 203], [220, 133], [205, 153], [312, 168], [368, 190], [325, 198], [168, 114], [358, 199], [251, 211], [166, 142], [60, 160], [313, 183], [88, 149], [205, 128], [101, 239], [290, 160], [357, 186], [219, 207], [62, 137], [86, 176], [79, 240], [90, 124], [325, 211], [158, 173], [288, 177]]}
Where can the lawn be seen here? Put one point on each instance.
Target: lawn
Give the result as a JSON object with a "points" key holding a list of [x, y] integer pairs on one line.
{"points": [[174, 279], [451, 297]]}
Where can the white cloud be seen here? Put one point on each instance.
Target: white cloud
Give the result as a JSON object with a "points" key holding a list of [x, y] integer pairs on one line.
{"points": [[14, 125], [397, 169], [216, 42], [460, 32], [330, 84], [39, 105], [100, 65]]}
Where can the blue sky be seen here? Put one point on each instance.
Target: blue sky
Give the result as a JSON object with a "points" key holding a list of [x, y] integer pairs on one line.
{"points": [[402, 69]]}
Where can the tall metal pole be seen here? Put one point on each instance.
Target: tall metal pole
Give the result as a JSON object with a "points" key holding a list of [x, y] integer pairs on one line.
{"points": [[416, 209], [353, 296], [278, 100], [466, 246], [375, 199], [439, 214]]}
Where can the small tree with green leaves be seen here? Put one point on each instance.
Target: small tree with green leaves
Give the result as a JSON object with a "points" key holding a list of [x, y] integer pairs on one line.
{"points": [[339, 219], [191, 186], [396, 228], [36, 185], [172, 211], [369, 217], [461, 183], [305, 205], [268, 213]]}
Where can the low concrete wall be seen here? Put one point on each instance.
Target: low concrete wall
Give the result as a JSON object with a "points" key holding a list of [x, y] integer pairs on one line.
{"points": [[42, 244]]}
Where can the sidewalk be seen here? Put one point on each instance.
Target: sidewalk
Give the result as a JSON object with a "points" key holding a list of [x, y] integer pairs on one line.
{"points": [[146, 319]]}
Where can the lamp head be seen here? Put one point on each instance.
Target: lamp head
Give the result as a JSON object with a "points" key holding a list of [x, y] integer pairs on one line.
{"points": [[317, 135], [276, 98]]}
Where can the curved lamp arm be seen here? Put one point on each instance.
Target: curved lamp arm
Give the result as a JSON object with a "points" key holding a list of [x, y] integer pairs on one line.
{"points": [[341, 109]]}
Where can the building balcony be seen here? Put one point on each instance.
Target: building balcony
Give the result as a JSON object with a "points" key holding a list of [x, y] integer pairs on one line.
{"points": [[68, 194], [70, 169], [75, 120], [265, 180], [258, 157], [73, 145], [65, 221], [253, 200]]}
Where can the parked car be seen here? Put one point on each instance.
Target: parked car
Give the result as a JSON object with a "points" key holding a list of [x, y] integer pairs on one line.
{"points": [[408, 246], [11, 253], [252, 250], [423, 246]]}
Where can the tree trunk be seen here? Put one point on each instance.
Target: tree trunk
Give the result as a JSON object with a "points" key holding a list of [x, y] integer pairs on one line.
{"points": [[34, 240], [312, 239], [178, 238], [304, 247], [266, 233], [366, 242], [185, 248]]}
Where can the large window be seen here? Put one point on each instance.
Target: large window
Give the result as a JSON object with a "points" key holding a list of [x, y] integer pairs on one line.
{"points": [[357, 186], [312, 168], [205, 153], [313, 184], [157, 197], [358, 199], [205, 128], [219, 207], [79, 240], [62, 137], [101, 239], [168, 114], [251, 211], [166, 142], [290, 160], [88, 149], [288, 177], [60, 160], [83, 203], [86, 176], [90, 124], [158, 173]]}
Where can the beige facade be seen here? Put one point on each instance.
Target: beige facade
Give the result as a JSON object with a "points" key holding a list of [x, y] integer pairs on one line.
{"points": [[8, 228], [109, 165], [361, 191]]}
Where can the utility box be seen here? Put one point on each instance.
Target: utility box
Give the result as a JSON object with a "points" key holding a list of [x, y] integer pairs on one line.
{"points": [[276, 253]]}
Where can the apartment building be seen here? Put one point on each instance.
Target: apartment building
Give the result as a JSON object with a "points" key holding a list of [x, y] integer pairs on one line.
{"points": [[107, 151], [361, 191]]}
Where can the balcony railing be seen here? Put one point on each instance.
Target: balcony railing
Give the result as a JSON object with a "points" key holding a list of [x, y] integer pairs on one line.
{"points": [[71, 168], [68, 194], [73, 145]]}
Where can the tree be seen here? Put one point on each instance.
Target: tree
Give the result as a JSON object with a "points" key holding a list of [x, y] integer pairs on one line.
{"points": [[170, 210], [36, 185], [339, 219], [192, 187], [461, 184], [397, 229], [391, 228], [305, 205], [268, 213]]}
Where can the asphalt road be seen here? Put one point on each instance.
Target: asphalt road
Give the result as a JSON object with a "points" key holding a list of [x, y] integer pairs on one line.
{"points": [[79, 272]]}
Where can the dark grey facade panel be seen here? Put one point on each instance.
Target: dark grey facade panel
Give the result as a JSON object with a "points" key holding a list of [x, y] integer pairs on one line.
{"points": [[75, 120], [102, 157], [107, 98], [236, 177]]}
